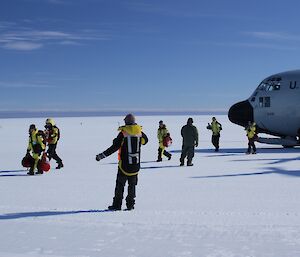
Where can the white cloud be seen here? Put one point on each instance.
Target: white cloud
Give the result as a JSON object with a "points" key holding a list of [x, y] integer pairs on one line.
{"points": [[6, 24], [14, 85], [256, 45], [13, 36], [69, 42], [22, 46], [273, 35]]}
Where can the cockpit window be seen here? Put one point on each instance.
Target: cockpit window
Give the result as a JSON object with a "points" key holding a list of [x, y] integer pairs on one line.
{"points": [[271, 84], [264, 102]]}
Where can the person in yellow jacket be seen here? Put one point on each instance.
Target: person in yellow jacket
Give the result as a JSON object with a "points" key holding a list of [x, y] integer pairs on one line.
{"points": [[251, 134], [35, 146], [128, 143], [53, 135], [216, 128], [162, 132]]}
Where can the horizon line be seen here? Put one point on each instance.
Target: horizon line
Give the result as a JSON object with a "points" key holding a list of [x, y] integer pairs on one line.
{"points": [[64, 114]]}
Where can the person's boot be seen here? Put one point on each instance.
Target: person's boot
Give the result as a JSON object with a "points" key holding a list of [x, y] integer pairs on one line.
{"points": [[39, 172], [130, 207], [59, 166], [116, 205], [248, 150], [168, 155], [30, 172], [114, 208], [189, 163], [181, 163], [130, 203]]}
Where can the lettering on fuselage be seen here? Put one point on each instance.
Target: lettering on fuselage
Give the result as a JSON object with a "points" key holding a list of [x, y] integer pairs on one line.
{"points": [[293, 85]]}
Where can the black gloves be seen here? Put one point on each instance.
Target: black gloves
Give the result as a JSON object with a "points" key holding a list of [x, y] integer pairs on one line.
{"points": [[100, 156]]}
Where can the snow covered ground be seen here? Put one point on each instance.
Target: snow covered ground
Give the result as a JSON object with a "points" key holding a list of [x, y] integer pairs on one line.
{"points": [[227, 205]]}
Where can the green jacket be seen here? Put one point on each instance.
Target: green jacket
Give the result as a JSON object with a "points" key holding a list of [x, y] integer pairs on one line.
{"points": [[35, 143], [162, 133], [251, 131], [53, 135], [215, 127]]}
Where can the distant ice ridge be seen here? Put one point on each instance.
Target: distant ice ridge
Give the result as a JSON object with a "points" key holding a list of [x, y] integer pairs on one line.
{"points": [[40, 114]]}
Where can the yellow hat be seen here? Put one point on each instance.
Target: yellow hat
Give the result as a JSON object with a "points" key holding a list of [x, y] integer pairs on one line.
{"points": [[50, 121]]}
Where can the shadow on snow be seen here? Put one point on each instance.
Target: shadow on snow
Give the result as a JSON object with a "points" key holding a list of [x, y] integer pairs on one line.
{"points": [[20, 215], [233, 151], [8, 171], [12, 175], [271, 170], [273, 160], [160, 167]]}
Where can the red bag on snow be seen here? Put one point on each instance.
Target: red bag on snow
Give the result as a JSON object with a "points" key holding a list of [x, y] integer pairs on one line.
{"points": [[44, 164], [167, 141], [27, 161]]}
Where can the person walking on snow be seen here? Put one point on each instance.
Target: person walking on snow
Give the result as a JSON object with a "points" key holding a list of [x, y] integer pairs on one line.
{"points": [[53, 135], [251, 134], [128, 142], [162, 133], [36, 147], [216, 128], [189, 135]]}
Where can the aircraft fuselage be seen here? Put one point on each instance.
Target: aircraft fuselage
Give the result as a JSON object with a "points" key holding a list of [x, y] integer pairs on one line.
{"points": [[274, 106]]}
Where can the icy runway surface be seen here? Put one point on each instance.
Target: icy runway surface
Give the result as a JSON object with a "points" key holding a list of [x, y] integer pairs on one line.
{"points": [[227, 205]]}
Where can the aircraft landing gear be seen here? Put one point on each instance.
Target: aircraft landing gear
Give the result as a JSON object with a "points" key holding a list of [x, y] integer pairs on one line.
{"points": [[291, 139]]}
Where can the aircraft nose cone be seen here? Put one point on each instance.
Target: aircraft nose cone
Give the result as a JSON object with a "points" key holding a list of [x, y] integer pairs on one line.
{"points": [[240, 113]]}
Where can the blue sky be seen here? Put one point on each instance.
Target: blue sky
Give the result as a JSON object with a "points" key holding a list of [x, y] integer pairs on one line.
{"points": [[141, 54]]}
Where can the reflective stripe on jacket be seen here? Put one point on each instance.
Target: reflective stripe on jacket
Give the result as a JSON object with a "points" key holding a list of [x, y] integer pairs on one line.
{"points": [[128, 142]]}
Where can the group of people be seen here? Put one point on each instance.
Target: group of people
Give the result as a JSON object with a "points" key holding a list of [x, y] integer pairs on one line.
{"points": [[128, 144], [129, 141], [190, 139], [37, 143]]}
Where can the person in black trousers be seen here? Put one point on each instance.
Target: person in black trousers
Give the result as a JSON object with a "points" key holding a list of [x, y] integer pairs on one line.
{"points": [[53, 135], [128, 142]]}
